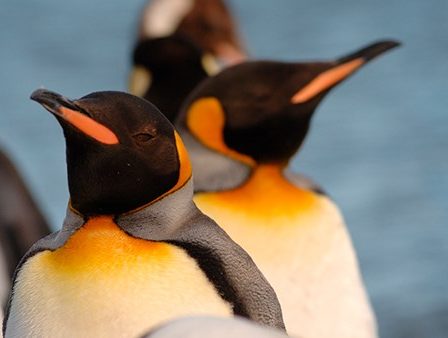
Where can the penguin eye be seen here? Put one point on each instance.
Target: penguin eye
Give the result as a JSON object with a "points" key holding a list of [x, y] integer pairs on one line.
{"points": [[143, 137]]}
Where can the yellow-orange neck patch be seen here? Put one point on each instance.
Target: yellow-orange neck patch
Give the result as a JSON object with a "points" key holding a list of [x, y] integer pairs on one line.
{"points": [[102, 247], [206, 121], [266, 194]]}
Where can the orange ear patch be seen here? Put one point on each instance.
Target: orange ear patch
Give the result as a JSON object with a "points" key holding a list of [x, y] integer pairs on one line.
{"points": [[326, 80], [184, 162], [206, 121], [185, 172], [89, 126]]}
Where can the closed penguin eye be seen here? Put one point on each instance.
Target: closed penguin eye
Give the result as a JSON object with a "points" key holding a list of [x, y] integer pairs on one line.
{"points": [[143, 137]]}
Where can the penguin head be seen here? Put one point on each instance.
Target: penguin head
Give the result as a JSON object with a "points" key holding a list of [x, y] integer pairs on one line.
{"points": [[259, 112], [122, 153], [166, 70]]}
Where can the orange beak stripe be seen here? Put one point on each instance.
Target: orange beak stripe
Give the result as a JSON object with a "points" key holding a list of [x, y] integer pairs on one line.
{"points": [[326, 80], [89, 126]]}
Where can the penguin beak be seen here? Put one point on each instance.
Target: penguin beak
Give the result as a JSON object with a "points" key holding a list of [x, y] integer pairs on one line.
{"points": [[341, 69], [69, 112]]}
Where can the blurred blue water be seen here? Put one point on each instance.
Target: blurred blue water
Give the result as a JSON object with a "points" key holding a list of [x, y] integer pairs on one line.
{"points": [[378, 144]]}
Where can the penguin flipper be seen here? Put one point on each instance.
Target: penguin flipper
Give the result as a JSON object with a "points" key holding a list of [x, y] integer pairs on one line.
{"points": [[54, 240], [231, 270]]}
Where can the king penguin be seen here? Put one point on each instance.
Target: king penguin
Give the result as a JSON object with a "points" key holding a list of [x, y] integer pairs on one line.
{"points": [[181, 43], [134, 250], [21, 222], [242, 128]]}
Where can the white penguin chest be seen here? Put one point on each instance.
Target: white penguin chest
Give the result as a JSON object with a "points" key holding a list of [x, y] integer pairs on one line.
{"points": [[302, 246], [120, 287]]}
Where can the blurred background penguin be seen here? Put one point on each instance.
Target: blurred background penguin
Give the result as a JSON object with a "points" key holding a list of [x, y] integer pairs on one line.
{"points": [[180, 43]]}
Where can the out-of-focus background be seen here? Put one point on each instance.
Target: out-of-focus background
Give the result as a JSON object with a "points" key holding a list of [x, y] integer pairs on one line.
{"points": [[378, 144]]}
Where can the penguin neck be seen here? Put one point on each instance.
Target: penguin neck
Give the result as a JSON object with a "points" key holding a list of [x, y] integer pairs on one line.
{"points": [[161, 218], [268, 178], [212, 170], [267, 193], [151, 222]]}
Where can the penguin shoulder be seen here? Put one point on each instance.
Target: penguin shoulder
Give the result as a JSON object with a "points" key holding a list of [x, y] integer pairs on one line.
{"points": [[177, 221], [304, 182], [49, 242], [218, 255]]}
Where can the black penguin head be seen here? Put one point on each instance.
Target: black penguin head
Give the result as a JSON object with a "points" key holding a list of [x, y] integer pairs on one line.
{"points": [[166, 70], [122, 153], [259, 112]]}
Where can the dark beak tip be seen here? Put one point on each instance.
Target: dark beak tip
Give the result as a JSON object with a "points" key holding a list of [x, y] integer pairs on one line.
{"points": [[379, 48], [37, 94], [389, 44], [371, 51], [51, 100], [42, 95]]}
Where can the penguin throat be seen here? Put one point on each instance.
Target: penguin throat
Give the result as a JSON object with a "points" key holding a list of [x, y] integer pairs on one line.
{"points": [[266, 193], [268, 179], [152, 222], [100, 245], [164, 216]]}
